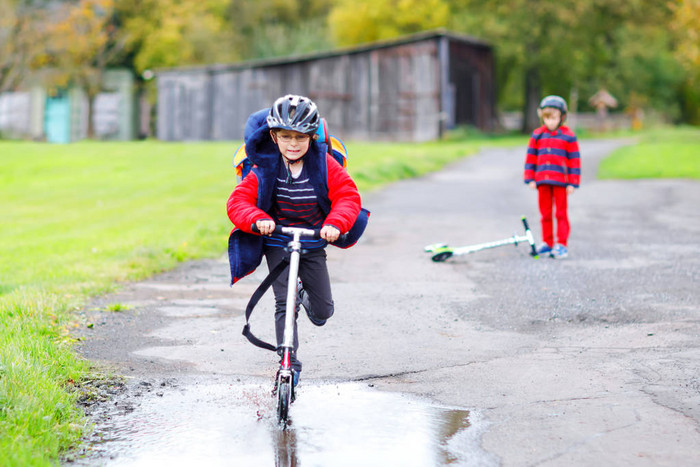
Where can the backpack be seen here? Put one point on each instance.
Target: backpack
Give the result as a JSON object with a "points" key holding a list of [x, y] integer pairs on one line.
{"points": [[336, 148]]}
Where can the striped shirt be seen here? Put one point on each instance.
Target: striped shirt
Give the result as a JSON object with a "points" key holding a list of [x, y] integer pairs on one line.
{"points": [[295, 205], [553, 158]]}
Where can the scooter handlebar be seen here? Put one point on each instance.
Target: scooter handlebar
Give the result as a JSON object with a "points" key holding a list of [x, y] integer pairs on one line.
{"points": [[312, 233], [279, 229]]}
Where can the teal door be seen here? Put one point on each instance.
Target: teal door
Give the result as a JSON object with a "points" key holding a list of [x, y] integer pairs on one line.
{"points": [[57, 119]]}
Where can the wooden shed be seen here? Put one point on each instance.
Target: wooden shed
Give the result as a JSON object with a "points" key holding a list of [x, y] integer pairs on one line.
{"points": [[407, 89]]}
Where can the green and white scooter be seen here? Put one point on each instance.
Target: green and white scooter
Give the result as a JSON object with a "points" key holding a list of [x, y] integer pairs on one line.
{"points": [[442, 252]]}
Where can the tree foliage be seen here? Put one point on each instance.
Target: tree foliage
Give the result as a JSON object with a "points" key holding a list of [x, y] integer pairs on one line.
{"points": [[273, 28], [686, 25], [21, 41], [168, 33], [357, 21], [645, 52], [82, 41], [573, 45]]}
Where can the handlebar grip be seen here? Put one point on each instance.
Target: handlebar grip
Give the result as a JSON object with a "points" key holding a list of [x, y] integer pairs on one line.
{"points": [[278, 229], [254, 228], [527, 227]]}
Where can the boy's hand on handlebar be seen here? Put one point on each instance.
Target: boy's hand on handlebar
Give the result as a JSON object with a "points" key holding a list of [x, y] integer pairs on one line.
{"points": [[265, 226], [329, 233]]}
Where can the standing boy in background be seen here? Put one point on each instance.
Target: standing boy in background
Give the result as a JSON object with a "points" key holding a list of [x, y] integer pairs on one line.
{"points": [[553, 168]]}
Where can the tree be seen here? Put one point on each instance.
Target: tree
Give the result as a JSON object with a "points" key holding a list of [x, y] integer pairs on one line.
{"points": [[686, 28], [83, 40], [556, 47], [686, 25], [168, 33], [357, 21], [21, 41], [273, 28]]}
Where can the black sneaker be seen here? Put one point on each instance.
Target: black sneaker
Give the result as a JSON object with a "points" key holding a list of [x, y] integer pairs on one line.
{"points": [[303, 299]]}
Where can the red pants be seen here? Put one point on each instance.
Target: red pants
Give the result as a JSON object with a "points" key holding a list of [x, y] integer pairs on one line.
{"points": [[553, 195]]}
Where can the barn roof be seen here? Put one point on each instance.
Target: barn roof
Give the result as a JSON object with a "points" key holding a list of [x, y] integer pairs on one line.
{"points": [[408, 39]]}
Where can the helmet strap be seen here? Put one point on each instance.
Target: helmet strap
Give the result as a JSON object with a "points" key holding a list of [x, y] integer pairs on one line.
{"points": [[288, 166]]}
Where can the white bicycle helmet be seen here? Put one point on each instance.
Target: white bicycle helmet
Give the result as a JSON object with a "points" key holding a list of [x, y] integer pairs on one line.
{"points": [[296, 113]]}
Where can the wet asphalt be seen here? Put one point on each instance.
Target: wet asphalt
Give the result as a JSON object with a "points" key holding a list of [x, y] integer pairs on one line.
{"points": [[492, 358]]}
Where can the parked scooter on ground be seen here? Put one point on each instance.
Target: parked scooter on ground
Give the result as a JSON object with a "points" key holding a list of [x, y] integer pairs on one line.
{"points": [[442, 252]]}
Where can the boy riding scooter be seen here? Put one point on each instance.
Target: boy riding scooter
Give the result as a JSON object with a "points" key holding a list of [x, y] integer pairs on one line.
{"points": [[294, 182]]}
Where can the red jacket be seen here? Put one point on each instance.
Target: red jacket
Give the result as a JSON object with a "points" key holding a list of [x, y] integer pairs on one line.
{"points": [[553, 158]]}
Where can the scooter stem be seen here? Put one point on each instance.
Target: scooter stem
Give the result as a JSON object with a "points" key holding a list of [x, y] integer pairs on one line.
{"points": [[295, 253]]}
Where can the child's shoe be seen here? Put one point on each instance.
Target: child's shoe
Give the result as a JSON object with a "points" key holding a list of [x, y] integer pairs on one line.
{"points": [[560, 251], [544, 250], [303, 299]]}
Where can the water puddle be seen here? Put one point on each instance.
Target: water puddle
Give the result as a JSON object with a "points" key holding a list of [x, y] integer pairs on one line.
{"points": [[348, 424]]}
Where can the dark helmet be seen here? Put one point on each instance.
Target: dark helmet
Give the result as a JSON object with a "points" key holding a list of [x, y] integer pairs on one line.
{"points": [[555, 102], [296, 113]]}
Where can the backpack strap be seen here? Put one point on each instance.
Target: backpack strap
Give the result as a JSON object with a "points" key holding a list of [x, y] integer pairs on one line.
{"points": [[255, 298]]}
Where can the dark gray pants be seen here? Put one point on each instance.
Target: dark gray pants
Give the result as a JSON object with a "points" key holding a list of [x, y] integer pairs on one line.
{"points": [[314, 276]]}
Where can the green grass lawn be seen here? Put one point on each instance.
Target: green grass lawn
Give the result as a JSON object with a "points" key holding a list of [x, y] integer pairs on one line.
{"points": [[660, 153], [79, 219], [76, 220]]}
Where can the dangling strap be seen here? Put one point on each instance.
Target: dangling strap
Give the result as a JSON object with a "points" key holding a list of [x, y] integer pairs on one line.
{"points": [[259, 292]]}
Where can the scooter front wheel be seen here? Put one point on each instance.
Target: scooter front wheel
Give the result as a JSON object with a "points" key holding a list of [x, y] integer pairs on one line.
{"points": [[284, 398], [442, 256]]}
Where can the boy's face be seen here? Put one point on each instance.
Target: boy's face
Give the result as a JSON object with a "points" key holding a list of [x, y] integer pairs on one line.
{"points": [[551, 118], [292, 144]]}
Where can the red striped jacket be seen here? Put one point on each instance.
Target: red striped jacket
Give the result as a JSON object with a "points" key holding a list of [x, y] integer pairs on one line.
{"points": [[553, 158]]}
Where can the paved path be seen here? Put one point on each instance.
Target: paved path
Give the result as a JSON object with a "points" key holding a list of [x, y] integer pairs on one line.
{"points": [[591, 360]]}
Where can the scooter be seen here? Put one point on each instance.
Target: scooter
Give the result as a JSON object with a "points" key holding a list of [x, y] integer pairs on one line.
{"points": [[441, 252], [284, 380]]}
